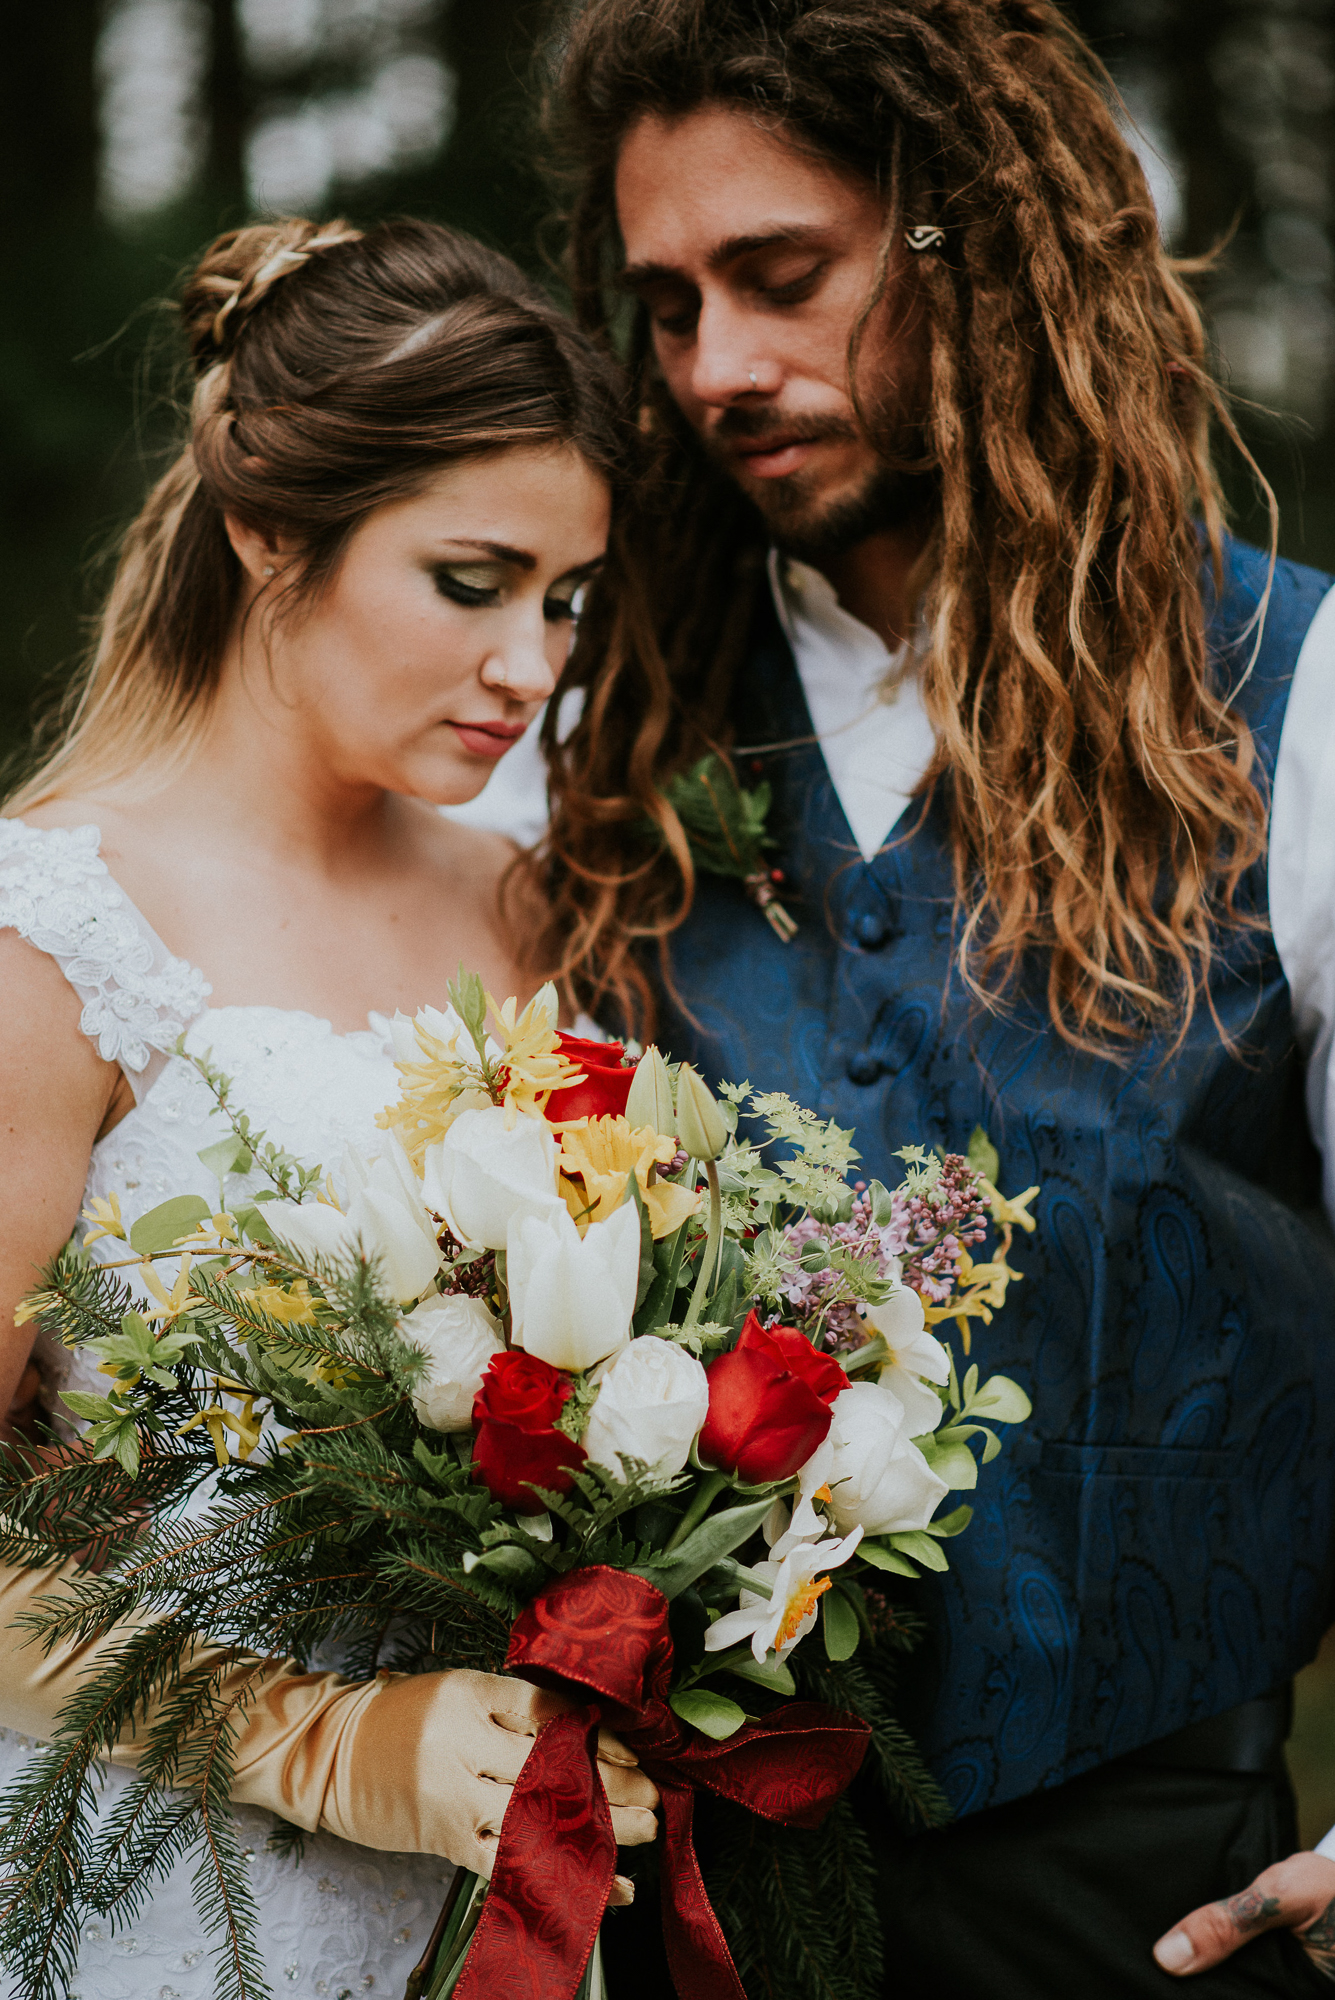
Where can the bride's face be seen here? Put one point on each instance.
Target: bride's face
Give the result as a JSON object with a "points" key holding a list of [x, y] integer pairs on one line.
{"points": [[445, 626]]}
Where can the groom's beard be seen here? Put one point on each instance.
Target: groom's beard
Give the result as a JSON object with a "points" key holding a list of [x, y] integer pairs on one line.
{"points": [[802, 523]]}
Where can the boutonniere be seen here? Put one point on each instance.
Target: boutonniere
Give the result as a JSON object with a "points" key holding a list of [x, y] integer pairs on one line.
{"points": [[724, 824]]}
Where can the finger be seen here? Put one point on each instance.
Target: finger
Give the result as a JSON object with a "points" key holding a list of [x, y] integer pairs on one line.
{"points": [[1215, 1931], [503, 1756], [622, 1893], [611, 1750], [633, 1826], [628, 1787], [524, 1709]]}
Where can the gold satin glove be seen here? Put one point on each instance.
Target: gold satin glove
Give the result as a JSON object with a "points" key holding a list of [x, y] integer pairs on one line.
{"points": [[409, 1763]]}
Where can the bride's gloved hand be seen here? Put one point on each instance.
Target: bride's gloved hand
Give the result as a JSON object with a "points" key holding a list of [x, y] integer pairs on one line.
{"points": [[410, 1763], [420, 1763]]}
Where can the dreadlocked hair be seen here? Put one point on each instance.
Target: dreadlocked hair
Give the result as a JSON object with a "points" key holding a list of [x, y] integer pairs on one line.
{"points": [[1102, 793]]}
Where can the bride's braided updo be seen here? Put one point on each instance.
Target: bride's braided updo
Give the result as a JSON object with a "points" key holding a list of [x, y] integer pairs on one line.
{"points": [[335, 371]]}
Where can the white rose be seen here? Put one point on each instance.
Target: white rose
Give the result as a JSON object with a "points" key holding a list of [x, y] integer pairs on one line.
{"points": [[385, 1219], [489, 1169], [572, 1296], [879, 1480], [651, 1404], [915, 1355], [458, 1336]]}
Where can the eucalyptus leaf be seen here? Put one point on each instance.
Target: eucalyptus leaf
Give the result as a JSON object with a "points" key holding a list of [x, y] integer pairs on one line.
{"points": [[226, 1156], [839, 1625], [880, 1557], [982, 1155], [953, 1462], [163, 1227], [712, 1714], [951, 1524], [1001, 1400], [921, 1546]]}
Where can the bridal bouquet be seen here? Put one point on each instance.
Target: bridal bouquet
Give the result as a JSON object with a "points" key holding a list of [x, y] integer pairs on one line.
{"points": [[585, 1375]]}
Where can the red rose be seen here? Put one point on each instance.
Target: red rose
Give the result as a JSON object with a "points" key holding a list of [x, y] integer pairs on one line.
{"points": [[606, 1085], [515, 1412], [769, 1404]]}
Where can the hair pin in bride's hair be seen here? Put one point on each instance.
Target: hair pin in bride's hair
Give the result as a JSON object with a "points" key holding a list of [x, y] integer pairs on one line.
{"points": [[924, 236]]}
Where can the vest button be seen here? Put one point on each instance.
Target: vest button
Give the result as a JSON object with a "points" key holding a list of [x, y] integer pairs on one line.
{"points": [[863, 1067], [870, 930]]}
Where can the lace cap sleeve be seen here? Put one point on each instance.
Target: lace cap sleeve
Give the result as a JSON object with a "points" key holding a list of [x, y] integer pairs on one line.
{"points": [[137, 999]]}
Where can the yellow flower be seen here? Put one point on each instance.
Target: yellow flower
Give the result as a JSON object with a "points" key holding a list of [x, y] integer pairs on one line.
{"points": [[293, 1307], [170, 1303], [598, 1157], [105, 1217], [433, 1092], [218, 1420], [1011, 1210], [533, 1065]]}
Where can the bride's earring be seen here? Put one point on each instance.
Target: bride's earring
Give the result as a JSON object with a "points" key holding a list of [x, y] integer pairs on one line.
{"points": [[268, 570]]}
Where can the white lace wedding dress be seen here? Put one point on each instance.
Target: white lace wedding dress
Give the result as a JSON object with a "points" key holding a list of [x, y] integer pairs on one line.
{"points": [[344, 1921]]}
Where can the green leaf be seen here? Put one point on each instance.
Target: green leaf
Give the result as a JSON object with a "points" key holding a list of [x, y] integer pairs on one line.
{"points": [[226, 1156], [712, 1714], [971, 1384], [880, 1557], [914, 1542], [771, 1673], [951, 1461], [162, 1228], [982, 1155], [97, 1409], [1002, 1400], [717, 1536], [648, 1271], [950, 1524], [839, 1624]]}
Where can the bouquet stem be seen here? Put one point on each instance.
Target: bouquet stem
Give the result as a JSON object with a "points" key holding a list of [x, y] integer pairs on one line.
{"points": [[442, 1963], [709, 1256]]}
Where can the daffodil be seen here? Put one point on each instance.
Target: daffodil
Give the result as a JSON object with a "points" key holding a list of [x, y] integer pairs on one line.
{"points": [[104, 1212], [598, 1157], [774, 1624]]}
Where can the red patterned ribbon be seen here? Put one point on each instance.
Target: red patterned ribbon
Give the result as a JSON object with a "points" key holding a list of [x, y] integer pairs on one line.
{"points": [[604, 1632]]}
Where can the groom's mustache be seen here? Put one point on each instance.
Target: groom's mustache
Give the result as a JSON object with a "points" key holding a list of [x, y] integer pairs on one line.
{"points": [[774, 426]]}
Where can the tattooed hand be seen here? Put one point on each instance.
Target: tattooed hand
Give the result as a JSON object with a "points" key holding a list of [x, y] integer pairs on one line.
{"points": [[1297, 1895]]}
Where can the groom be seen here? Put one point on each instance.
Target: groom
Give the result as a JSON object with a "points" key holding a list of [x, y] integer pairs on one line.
{"points": [[926, 412]]}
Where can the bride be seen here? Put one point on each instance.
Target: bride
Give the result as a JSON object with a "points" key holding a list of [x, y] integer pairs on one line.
{"points": [[337, 610]]}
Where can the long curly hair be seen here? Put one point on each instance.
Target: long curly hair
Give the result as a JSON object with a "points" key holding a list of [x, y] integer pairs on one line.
{"points": [[1103, 796]]}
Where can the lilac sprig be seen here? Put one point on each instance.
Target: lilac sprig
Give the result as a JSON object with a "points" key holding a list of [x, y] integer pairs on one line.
{"points": [[931, 1227]]}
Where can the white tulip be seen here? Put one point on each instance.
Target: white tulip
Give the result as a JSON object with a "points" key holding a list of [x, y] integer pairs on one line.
{"points": [[879, 1480], [651, 1404], [385, 1220], [458, 1336], [572, 1296], [915, 1356], [490, 1169]]}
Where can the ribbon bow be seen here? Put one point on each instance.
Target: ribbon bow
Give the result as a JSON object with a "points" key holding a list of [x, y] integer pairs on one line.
{"points": [[604, 1633]]}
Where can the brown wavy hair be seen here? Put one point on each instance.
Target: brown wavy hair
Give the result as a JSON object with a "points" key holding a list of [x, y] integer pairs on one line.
{"points": [[1102, 792], [335, 370]]}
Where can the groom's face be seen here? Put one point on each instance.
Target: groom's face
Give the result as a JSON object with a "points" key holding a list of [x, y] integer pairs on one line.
{"points": [[754, 260]]}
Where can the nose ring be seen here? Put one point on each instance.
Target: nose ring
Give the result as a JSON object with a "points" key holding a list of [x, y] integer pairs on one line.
{"points": [[753, 378]]}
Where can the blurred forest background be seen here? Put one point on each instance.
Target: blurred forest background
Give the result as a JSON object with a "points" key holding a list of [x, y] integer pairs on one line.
{"points": [[131, 131]]}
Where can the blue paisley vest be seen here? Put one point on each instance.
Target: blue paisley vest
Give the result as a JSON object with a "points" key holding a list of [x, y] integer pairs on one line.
{"points": [[1156, 1544]]}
